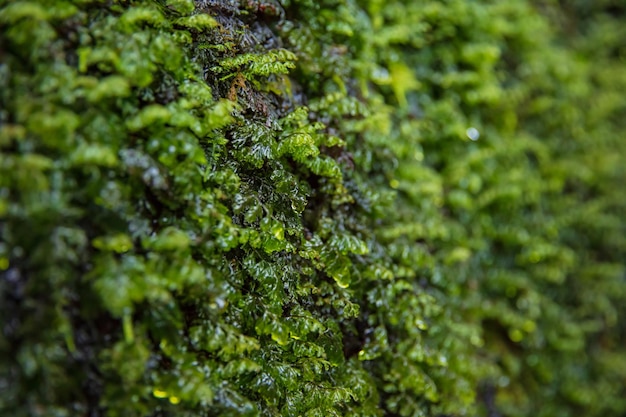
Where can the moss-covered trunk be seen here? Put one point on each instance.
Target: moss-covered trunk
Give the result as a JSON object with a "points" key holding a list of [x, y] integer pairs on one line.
{"points": [[312, 208]]}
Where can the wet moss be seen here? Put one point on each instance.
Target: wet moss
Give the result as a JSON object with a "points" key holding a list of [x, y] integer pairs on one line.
{"points": [[311, 208]]}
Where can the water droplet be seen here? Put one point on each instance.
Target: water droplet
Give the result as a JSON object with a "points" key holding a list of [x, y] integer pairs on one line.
{"points": [[443, 361], [420, 324], [472, 133], [218, 303], [381, 76]]}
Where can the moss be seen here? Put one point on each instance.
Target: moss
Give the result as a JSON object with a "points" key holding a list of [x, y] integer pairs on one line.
{"points": [[311, 208]]}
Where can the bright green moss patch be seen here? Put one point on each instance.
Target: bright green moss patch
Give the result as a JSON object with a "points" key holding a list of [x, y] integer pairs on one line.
{"points": [[298, 208]]}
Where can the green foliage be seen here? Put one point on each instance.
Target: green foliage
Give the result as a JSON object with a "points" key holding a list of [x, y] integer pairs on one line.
{"points": [[299, 208]]}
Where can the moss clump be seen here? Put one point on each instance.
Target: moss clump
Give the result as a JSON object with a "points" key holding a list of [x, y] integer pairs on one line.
{"points": [[349, 208]]}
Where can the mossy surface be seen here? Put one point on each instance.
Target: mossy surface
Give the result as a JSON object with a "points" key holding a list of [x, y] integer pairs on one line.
{"points": [[312, 208]]}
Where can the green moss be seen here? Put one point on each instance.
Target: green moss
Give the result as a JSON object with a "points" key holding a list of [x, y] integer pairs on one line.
{"points": [[348, 208]]}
